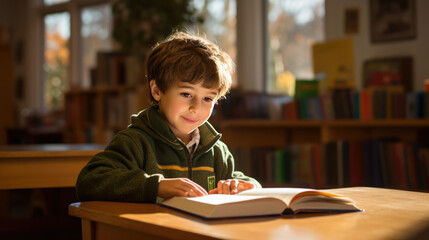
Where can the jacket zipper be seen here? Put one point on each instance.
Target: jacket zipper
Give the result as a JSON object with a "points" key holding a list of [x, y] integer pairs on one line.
{"points": [[191, 155], [190, 165]]}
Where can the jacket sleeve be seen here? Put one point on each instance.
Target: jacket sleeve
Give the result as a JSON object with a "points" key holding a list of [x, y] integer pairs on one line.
{"points": [[226, 168], [116, 174]]}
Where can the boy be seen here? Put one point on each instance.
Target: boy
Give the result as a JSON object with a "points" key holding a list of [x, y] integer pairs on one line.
{"points": [[170, 149]]}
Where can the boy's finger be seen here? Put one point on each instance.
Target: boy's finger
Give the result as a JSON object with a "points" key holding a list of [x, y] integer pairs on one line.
{"points": [[220, 186], [245, 186], [226, 189], [234, 186], [192, 193], [200, 191], [213, 191]]}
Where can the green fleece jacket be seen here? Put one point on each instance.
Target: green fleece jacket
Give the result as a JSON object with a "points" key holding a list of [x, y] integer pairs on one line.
{"points": [[131, 166]]}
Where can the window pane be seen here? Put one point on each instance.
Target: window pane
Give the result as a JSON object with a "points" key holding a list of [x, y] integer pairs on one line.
{"points": [[95, 36], [293, 26], [219, 24], [56, 62], [52, 2]]}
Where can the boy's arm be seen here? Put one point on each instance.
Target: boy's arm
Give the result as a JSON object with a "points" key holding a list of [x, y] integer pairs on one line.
{"points": [[116, 174]]}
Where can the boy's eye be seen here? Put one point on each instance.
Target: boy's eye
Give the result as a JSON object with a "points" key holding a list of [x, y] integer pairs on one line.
{"points": [[208, 99], [187, 95]]}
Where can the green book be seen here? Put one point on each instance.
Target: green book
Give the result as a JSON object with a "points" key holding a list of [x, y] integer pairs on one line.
{"points": [[306, 89]]}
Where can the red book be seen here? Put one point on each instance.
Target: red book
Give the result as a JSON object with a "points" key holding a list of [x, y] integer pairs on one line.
{"points": [[410, 162], [365, 105], [290, 111], [318, 165], [399, 165], [356, 164]]}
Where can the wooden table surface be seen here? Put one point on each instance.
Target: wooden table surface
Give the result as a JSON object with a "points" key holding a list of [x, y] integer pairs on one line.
{"points": [[389, 214], [42, 166]]}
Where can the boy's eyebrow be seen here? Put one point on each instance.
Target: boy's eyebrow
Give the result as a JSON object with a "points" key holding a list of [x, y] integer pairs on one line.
{"points": [[191, 87]]}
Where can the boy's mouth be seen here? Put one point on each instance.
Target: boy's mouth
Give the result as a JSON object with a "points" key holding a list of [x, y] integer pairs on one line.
{"points": [[189, 120]]}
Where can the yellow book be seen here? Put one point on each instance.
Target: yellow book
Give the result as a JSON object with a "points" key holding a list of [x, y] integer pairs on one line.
{"points": [[335, 61]]}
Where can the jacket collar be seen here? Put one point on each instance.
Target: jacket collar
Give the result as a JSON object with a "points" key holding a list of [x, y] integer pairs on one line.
{"points": [[159, 128]]}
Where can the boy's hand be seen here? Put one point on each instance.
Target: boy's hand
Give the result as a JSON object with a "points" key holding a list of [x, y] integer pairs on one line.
{"points": [[182, 187], [232, 186]]}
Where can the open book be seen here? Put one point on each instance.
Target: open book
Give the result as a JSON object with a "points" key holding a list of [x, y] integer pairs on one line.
{"points": [[260, 202]]}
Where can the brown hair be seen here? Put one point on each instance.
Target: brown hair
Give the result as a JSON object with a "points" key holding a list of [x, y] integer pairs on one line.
{"points": [[189, 58]]}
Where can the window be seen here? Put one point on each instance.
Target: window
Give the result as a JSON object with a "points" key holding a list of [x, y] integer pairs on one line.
{"points": [[94, 36], [69, 63], [53, 2], [219, 24], [93, 32], [57, 35], [293, 26]]}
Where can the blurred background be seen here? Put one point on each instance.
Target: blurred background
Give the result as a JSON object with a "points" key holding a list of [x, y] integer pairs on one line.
{"points": [[323, 92]]}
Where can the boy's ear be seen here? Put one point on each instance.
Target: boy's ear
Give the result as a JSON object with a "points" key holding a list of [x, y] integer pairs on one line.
{"points": [[154, 90]]}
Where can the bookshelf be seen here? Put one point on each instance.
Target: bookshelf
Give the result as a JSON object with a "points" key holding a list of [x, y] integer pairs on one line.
{"points": [[374, 137], [97, 113], [256, 143], [278, 133]]}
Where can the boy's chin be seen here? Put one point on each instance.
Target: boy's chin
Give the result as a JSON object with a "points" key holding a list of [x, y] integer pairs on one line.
{"points": [[191, 130]]}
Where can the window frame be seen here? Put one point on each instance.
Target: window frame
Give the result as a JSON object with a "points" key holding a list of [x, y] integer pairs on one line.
{"points": [[266, 54], [74, 8]]}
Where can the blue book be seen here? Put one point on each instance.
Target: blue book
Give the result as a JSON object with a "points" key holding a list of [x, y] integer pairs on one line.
{"points": [[356, 100], [411, 105], [419, 104]]}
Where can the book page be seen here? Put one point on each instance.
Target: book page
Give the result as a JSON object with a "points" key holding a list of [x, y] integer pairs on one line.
{"points": [[285, 194], [219, 199]]}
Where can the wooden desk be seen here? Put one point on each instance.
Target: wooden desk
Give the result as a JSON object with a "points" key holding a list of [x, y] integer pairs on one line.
{"points": [[389, 214], [43, 166]]}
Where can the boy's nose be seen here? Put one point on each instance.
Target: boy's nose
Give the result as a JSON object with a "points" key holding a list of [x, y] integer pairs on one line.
{"points": [[195, 105]]}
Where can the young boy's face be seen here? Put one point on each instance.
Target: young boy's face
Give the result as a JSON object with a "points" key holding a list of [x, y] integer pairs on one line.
{"points": [[185, 106]]}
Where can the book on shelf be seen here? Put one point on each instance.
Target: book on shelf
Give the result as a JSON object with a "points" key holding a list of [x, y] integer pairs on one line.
{"points": [[340, 103], [262, 202], [290, 110], [116, 68], [317, 168], [381, 162], [334, 59], [253, 105], [422, 158], [365, 105], [327, 107], [80, 108], [356, 164], [306, 89], [342, 99], [410, 162]]}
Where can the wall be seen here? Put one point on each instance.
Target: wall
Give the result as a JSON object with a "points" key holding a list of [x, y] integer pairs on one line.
{"points": [[250, 45], [364, 49], [16, 15]]}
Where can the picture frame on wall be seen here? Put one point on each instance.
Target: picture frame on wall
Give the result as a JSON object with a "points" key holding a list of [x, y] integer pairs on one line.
{"points": [[392, 20], [351, 21]]}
